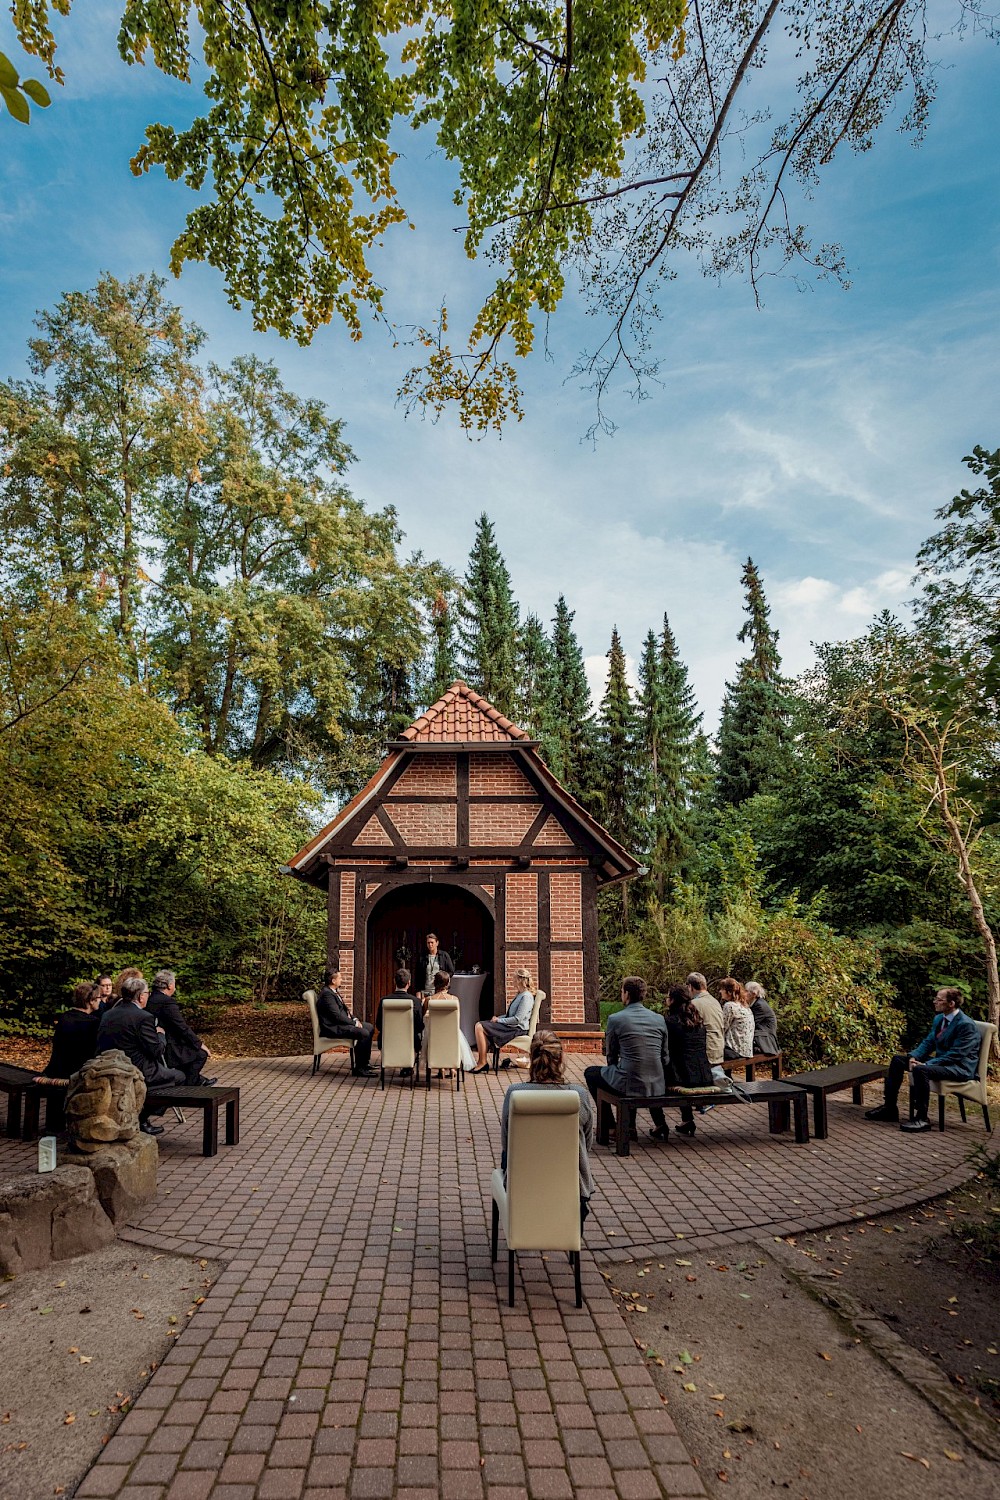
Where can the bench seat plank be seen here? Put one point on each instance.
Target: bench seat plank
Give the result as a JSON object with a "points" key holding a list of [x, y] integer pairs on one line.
{"points": [[209, 1101], [780, 1098]]}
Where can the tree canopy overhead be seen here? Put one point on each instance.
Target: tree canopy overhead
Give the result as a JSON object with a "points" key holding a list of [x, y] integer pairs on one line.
{"points": [[594, 139]]}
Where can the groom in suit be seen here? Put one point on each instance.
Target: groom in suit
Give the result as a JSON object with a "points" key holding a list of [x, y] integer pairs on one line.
{"points": [[949, 1050], [335, 1019]]}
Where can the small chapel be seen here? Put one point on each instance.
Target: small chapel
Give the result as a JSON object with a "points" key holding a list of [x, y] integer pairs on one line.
{"points": [[463, 831]]}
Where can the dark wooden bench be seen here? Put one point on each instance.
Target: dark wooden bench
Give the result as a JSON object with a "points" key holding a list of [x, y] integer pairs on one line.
{"points": [[819, 1082], [770, 1060], [780, 1098], [51, 1093], [14, 1082], [209, 1101]]}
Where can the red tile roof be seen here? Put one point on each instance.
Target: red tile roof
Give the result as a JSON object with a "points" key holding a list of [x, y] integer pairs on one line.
{"points": [[461, 716]]}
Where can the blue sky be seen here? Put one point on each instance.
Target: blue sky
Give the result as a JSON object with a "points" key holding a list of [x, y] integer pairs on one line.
{"points": [[818, 434]]}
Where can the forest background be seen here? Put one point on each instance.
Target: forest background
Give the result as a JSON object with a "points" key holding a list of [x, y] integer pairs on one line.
{"points": [[206, 639]]}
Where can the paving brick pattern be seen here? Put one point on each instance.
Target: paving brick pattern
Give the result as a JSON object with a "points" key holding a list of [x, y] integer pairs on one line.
{"points": [[357, 1342]]}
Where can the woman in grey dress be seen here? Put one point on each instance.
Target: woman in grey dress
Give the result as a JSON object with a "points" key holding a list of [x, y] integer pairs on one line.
{"points": [[547, 1073]]}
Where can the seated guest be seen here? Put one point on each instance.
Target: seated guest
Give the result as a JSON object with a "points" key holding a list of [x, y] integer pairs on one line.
{"points": [[689, 1062], [104, 985], [546, 1072], [184, 1050], [514, 1022], [74, 1040], [335, 1019], [737, 1020], [116, 988], [638, 1053], [402, 992], [949, 1050], [430, 963], [128, 1027], [711, 1013], [765, 1022]]}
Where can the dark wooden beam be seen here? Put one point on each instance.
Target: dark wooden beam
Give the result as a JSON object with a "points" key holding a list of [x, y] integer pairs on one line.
{"points": [[545, 945], [462, 783]]}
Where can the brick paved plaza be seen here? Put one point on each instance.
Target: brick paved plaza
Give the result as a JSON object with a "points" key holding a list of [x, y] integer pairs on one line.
{"points": [[357, 1341]]}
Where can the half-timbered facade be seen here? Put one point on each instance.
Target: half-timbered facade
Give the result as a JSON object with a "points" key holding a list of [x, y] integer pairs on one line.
{"points": [[464, 831]]}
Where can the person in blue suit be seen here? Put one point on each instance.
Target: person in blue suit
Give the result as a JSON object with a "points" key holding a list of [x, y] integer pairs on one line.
{"points": [[949, 1050]]}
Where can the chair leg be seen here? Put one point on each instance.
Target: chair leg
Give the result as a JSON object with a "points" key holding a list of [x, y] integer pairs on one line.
{"points": [[381, 1079], [986, 1120], [577, 1279], [496, 1229], [496, 1059], [961, 1108], [940, 1111], [428, 1075], [510, 1278], [459, 1072], [315, 1063]]}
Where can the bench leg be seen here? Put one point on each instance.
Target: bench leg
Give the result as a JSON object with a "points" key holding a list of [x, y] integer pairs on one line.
{"points": [[819, 1116], [30, 1123], [623, 1125], [776, 1070], [233, 1122], [749, 1073], [14, 1113], [800, 1107], [858, 1093], [777, 1116], [210, 1130]]}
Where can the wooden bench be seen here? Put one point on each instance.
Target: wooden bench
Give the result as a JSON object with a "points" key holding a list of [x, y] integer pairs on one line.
{"points": [[780, 1098], [14, 1082], [209, 1101], [820, 1082], [53, 1094], [770, 1060]]}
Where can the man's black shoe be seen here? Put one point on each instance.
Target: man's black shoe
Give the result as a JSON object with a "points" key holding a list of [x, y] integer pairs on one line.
{"points": [[364, 1072], [884, 1112], [148, 1129], [915, 1126], [406, 1072], [207, 1083]]}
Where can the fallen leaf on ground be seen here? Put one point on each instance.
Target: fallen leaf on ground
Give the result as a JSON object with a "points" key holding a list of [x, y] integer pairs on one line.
{"points": [[914, 1459], [956, 1458]]}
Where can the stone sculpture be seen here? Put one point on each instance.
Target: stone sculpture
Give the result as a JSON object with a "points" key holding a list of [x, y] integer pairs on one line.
{"points": [[103, 1102]]}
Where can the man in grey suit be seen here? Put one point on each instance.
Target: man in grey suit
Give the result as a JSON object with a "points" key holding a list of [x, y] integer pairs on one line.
{"points": [[638, 1053]]}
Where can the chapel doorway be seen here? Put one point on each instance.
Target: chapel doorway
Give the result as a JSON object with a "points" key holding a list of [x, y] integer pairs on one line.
{"points": [[398, 928]]}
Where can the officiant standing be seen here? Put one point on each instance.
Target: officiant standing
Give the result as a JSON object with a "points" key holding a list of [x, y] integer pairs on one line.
{"points": [[434, 961]]}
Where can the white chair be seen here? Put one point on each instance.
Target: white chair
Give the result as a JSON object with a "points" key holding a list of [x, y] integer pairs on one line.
{"points": [[539, 1206], [398, 1050], [523, 1042], [441, 1048], [975, 1089], [323, 1044]]}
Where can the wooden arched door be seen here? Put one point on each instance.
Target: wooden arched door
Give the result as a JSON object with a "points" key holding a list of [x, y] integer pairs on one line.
{"points": [[398, 926]]}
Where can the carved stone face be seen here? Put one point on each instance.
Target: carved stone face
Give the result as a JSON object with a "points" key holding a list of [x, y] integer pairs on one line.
{"points": [[103, 1102]]}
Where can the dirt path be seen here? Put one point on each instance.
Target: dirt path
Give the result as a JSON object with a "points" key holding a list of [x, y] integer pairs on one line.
{"points": [[769, 1393], [74, 1351]]}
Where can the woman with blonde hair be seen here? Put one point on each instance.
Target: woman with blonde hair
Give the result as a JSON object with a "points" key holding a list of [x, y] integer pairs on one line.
{"points": [[737, 1019], [547, 1072], [502, 1029]]}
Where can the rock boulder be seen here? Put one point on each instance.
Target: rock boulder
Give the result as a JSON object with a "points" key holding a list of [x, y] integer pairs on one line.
{"points": [[124, 1174], [50, 1217]]}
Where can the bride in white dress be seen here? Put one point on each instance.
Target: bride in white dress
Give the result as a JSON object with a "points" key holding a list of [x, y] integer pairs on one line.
{"points": [[465, 1052]]}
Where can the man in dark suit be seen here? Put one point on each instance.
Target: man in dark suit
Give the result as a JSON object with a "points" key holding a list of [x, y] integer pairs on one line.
{"points": [[402, 992], [128, 1027], [638, 1053], [949, 1050], [184, 1049], [335, 1019], [429, 963]]}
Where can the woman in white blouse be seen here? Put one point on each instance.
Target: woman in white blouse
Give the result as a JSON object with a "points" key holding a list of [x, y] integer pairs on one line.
{"points": [[737, 1019]]}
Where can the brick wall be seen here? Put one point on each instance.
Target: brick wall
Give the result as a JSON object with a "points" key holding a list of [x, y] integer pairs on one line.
{"points": [[346, 909], [514, 960], [500, 823], [565, 908], [566, 1001], [428, 777], [522, 908], [370, 889], [552, 832], [497, 776], [373, 833], [425, 823], [347, 979]]}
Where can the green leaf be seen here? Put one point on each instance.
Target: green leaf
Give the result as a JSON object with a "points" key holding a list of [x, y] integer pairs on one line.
{"points": [[8, 73], [16, 103], [37, 92]]}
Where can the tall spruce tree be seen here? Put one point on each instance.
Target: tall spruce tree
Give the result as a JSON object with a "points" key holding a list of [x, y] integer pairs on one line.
{"points": [[753, 732], [669, 722], [617, 788], [443, 666], [489, 623], [534, 685], [572, 728]]}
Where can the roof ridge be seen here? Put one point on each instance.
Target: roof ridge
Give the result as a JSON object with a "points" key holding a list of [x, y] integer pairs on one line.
{"points": [[459, 692]]}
